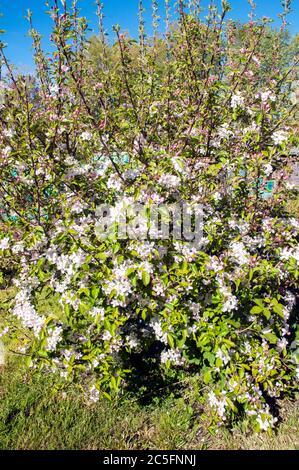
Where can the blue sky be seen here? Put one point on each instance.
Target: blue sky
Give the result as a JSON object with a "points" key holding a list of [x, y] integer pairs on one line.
{"points": [[122, 12]]}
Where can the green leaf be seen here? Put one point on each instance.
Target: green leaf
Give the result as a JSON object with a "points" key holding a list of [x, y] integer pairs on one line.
{"points": [[279, 310], [95, 292], [271, 337], [210, 357], [256, 310], [113, 383], [146, 279], [267, 313], [170, 341], [107, 396], [207, 378], [101, 256], [130, 271], [218, 362]]}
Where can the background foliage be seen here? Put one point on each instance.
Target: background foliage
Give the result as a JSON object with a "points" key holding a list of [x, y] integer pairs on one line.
{"points": [[196, 115]]}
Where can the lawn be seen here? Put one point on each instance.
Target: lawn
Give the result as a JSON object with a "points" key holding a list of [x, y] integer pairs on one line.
{"points": [[32, 416]]}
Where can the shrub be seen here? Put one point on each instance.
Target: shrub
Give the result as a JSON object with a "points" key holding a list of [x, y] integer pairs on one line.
{"points": [[194, 116]]}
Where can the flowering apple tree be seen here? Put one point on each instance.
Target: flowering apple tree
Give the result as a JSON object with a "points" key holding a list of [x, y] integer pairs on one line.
{"points": [[191, 116]]}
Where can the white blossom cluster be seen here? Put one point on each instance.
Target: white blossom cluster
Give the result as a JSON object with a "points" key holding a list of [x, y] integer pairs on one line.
{"points": [[24, 310], [174, 356]]}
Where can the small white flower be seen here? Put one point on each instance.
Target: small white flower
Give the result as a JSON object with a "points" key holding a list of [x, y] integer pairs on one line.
{"points": [[159, 333], [86, 136], [256, 60], [97, 312], [194, 308], [132, 341], [239, 253], [224, 357], [268, 169], [294, 222], [4, 332], [169, 180], [224, 132], [282, 344], [267, 96], [4, 243], [218, 404], [54, 338], [217, 196], [94, 394], [290, 185], [26, 312], [114, 182], [78, 207], [237, 101], [63, 374], [230, 304], [159, 289], [179, 165], [18, 248], [266, 421], [106, 335], [279, 137], [8, 133], [288, 253], [174, 356], [54, 90]]}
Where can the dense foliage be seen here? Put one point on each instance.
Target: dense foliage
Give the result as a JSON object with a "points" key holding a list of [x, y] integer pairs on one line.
{"points": [[198, 116]]}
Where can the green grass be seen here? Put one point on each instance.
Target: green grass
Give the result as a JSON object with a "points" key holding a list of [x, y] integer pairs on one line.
{"points": [[33, 417], [286, 436]]}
